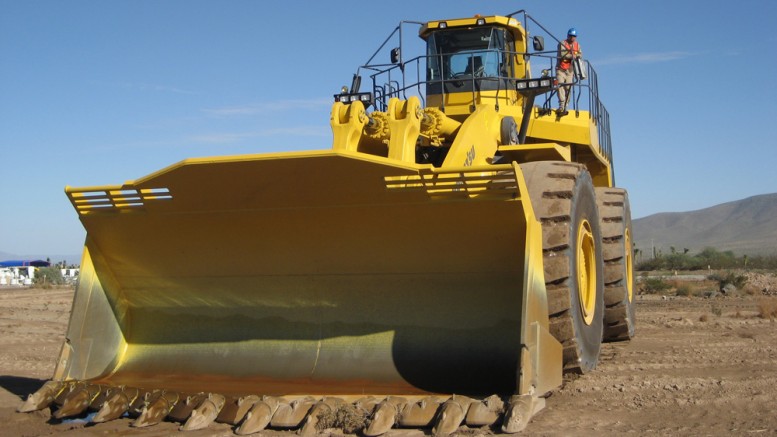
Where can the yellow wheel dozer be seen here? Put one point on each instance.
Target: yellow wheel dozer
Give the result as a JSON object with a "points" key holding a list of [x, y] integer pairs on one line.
{"points": [[441, 266]]}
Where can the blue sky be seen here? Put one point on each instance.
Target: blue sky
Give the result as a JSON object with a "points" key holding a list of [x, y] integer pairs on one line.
{"points": [[100, 92]]}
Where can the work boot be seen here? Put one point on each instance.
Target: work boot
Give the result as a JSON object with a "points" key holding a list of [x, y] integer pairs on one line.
{"points": [[561, 111]]}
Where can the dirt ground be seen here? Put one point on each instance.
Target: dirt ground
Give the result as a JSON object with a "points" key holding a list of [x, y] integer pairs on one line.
{"points": [[698, 366]]}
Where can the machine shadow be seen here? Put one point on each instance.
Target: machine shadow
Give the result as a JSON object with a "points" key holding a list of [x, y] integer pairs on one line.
{"points": [[19, 385]]}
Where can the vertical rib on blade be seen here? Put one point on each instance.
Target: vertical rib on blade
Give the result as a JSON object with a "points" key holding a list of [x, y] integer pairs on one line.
{"points": [[319, 272]]}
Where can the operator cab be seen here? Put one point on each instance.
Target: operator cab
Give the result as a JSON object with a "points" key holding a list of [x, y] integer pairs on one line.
{"points": [[466, 59]]}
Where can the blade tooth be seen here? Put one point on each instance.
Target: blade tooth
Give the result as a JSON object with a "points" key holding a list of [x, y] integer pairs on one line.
{"points": [[520, 410], [113, 408], [94, 391], [117, 405], [142, 400], [260, 415], [106, 393], [229, 410], [421, 413], [74, 404], [157, 410], [70, 387], [183, 409], [368, 403], [42, 398], [291, 415], [485, 412], [312, 419], [205, 413], [333, 401], [147, 416], [385, 416], [451, 415], [235, 409]]}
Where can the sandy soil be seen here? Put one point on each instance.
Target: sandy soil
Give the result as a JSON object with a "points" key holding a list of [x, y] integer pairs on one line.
{"points": [[697, 367]]}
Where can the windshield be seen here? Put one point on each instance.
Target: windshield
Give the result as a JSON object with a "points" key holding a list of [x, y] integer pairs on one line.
{"points": [[473, 52]]}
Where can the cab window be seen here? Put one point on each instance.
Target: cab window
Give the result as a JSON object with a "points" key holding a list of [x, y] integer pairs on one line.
{"points": [[473, 52]]}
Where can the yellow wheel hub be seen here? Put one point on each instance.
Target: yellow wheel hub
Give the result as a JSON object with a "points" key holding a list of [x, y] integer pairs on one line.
{"points": [[629, 264], [586, 271]]}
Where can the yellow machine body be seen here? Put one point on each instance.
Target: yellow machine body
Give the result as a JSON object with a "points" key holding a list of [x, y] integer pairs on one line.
{"points": [[405, 261]]}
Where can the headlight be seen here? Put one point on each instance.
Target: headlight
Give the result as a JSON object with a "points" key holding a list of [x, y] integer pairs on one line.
{"points": [[534, 86], [348, 98]]}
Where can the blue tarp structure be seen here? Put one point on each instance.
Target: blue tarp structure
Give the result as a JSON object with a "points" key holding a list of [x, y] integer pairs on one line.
{"points": [[24, 263]]}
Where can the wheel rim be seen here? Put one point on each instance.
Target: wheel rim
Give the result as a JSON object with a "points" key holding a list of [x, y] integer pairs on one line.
{"points": [[586, 271], [629, 265]]}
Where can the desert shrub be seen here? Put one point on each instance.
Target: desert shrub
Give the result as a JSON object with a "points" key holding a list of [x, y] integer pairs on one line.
{"points": [[732, 278], [716, 310], [650, 265], [654, 285], [704, 318], [47, 276], [346, 417], [751, 290], [767, 308], [682, 261], [768, 262], [707, 258], [683, 290]]}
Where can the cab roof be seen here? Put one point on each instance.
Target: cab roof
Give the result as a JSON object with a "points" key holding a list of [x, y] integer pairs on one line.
{"points": [[477, 20]]}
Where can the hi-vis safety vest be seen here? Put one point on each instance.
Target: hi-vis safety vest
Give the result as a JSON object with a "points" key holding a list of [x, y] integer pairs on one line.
{"points": [[574, 49]]}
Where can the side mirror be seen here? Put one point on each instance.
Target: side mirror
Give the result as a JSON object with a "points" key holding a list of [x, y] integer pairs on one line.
{"points": [[539, 43], [396, 55]]}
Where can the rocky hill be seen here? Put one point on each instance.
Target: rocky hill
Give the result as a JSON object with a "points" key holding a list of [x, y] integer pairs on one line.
{"points": [[747, 226]]}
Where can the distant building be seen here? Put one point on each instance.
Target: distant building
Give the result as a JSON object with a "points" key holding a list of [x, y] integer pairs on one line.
{"points": [[20, 272], [25, 263], [70, 275]]}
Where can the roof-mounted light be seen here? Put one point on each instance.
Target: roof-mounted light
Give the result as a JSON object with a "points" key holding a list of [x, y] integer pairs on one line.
{"points": [[348, 98], [443, 25], [534, 86], [480, 21]]}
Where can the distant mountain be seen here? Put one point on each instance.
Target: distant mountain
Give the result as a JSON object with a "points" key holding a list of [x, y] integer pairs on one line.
{"points": [[747, 226]]}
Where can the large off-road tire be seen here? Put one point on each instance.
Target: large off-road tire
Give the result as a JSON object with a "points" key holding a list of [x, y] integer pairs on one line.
{"points": [[564, 201], [615, 214]]}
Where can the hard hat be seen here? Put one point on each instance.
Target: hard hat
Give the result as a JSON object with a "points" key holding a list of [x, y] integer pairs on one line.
{"points": [[572, 32]]}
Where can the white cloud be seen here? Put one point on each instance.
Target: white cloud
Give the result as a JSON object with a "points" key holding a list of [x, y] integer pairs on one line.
{"points": [[644, 58]]}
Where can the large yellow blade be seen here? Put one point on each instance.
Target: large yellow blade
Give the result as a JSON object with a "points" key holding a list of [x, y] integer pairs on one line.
{"points": [[320, 272]]}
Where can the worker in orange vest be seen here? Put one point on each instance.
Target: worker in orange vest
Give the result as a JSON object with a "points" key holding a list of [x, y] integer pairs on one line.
{"points": [[568, 50]]}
